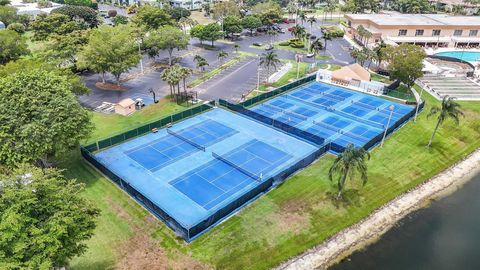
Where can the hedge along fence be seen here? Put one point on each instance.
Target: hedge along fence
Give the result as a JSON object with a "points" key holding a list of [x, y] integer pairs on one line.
{"points": [[280, 90], [141, 130]]}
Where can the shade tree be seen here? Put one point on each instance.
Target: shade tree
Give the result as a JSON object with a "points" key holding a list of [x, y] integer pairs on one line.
{"points": [[166, 38], [40, 117], [45, 218]]}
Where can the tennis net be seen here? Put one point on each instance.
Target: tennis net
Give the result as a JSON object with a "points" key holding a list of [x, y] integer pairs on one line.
{"points": [[242, 170], [201, 147], [294, 114]]}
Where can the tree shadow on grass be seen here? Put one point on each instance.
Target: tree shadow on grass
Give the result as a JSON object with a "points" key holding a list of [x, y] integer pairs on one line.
{"points": [[350, 197]]}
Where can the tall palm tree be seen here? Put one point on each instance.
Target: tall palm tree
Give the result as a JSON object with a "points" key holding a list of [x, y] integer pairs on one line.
{"points": [[269, 60], [316, 47], [302, 17], [168, 76], [326, 37], [298, 31], [360, 32], [184, 74], [221, 56], [236, 47], [311, 20], [367, 35], [351, 161], [449, 109], [379, 52]]}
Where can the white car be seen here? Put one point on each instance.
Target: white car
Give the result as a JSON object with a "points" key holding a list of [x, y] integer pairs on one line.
{"points": [[310, 55]]}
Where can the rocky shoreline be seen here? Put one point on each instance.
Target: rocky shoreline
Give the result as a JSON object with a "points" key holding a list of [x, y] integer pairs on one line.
{"points": [[381, 220]]}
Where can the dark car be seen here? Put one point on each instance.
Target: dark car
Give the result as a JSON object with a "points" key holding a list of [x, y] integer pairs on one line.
{"points": [[313, 37], [258, 44]]}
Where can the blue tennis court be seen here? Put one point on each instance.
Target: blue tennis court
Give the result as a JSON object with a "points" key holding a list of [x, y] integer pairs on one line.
{"points": [[224, 176], [200, 170], [337, 114]]}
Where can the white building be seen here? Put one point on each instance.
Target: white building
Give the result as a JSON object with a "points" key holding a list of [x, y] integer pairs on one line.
{"points": [[430, 30]]}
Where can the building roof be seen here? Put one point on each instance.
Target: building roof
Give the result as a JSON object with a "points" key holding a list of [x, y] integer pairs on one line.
{"points": [[126, 102], [417, 19], [2, 25], [354, 71]]}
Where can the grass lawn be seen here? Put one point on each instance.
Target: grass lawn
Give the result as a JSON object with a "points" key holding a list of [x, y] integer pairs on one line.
{"points": [[402, 92], [198, 17], [380, 78], [106, 124], [288, 77], [288, 220], [207, 75]]}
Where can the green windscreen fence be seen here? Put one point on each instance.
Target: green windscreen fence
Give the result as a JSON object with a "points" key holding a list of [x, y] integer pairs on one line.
{"points": [[127, 135], [280, 90]]}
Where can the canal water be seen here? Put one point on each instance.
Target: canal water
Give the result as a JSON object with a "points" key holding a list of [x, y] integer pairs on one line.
{"points": [[444, 236]]}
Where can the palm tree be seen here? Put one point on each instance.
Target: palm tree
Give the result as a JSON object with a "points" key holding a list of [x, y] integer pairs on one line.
{"points": [[272, 33], [202, 64], [311, 20], [379, 52], [269, 60], [199, 59], [346, 164], [184, 74], [326, 36], [316, 47], [236, 47], [221, 56], [367, 35], [170, 78], [298, 31], [360, 32], [449, 109], [302, 17]]}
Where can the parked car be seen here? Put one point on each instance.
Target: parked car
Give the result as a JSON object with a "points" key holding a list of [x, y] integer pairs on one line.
{"points": [[262, 29], [291, 20], [290, 29], [258, 44], [269, 47], [313, 37], [286, 21], [310, 55], [282, 31]]}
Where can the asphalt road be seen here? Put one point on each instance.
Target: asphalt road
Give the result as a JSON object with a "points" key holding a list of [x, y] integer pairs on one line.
{"points": [[230, 84]]}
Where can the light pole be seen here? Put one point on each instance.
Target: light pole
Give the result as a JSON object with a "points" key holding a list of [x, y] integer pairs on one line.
{"points": [[388, 124], [298, 58], [141, 56], [418, 105], [258, 78]]}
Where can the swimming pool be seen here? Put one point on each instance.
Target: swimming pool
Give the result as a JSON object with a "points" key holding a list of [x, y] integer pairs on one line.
{"points": [[462, 55]]}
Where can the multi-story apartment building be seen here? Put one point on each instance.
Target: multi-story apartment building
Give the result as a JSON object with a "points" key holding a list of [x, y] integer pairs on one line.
{"points": [[429, 30]]}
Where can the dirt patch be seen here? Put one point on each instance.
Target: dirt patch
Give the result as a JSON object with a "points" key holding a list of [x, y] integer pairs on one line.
{"points": [[110, 86], [142, 251], [293, 216], [119, 210]]}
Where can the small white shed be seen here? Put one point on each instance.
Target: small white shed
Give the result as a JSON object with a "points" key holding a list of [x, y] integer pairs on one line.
{"points": [[125, 107], [2, 25]]}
